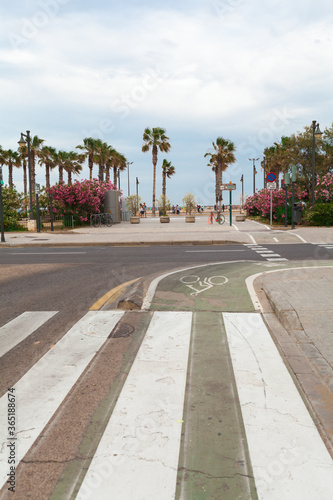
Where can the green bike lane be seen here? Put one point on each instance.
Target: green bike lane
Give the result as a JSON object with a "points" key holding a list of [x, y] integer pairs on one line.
{"points": [[208, 409], [215, 458]]}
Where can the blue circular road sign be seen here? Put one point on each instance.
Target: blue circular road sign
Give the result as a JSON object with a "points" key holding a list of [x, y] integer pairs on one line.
{"points": [[271, 177]]}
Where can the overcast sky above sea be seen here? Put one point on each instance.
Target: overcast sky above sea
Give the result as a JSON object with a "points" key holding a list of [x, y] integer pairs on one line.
{"points": [[249, 71]]}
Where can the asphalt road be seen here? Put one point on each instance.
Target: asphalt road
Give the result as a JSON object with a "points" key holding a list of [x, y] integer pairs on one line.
{"points": [[71, 280]]}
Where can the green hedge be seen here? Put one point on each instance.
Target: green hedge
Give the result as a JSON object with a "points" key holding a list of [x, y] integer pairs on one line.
{"points": [[321, 215]]}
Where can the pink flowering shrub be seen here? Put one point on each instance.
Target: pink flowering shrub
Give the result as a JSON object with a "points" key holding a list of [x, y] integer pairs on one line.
{"points": [[80, 199], [260, 203], [324, 189]]}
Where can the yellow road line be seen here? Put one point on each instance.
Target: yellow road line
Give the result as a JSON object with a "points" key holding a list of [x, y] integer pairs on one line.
{"points": [[111, 295]]}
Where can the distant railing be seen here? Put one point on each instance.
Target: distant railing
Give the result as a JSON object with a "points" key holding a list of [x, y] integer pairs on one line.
{"points": [[126, 215]]}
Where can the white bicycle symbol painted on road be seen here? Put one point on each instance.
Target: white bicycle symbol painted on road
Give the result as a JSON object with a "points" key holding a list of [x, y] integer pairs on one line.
{"points": [[204, 284]]}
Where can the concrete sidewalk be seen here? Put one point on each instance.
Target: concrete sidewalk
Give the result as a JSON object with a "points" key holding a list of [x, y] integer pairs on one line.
{"points": [[298, 308], [151, 231]]}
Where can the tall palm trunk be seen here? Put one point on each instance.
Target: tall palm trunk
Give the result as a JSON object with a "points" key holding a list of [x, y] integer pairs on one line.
{"points": [[164, 184], [47, 175], [154, 177], [91, 166], [32, 170], [25, 177], [100, 172], [61, 173], [69, 173], [10, 174]]}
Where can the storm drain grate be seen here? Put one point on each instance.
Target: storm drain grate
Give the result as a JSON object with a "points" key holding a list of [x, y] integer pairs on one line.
{"points": [[121, 330]]}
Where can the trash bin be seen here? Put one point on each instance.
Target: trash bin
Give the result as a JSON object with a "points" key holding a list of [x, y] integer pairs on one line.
{"points": [[297, 215]]}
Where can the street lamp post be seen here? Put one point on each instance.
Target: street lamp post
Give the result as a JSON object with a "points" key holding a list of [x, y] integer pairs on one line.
{"points": [[264, 166], [22, 143], [242, 201], [128, 185], [254, 173], [316, 134], [137, 194]]}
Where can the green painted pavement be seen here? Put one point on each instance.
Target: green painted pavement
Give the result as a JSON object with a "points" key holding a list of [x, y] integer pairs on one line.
{"points": [[214, 460], [218, 287]]}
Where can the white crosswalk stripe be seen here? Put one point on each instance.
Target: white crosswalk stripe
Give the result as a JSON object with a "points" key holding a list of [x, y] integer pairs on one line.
{"points": [[145, 428], [21, 327], [329, 246], [51, 378], [287, 452], [264, 252], [137, 456]]}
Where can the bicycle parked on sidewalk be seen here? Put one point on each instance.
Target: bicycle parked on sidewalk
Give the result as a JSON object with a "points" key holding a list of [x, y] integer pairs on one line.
{"points": [[219, 218], [97, 220]]}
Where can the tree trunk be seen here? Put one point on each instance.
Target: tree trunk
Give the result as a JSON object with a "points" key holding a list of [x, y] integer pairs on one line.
{"points": [[10, 175], [115, 175], [91, 166], [61, 174], [69, 173], [100, 173], [25, 177], [154, 177], [33, 170], [47, 175]]}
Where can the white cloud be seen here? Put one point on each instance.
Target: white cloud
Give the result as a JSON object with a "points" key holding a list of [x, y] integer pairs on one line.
{"points": [[224, 67]]}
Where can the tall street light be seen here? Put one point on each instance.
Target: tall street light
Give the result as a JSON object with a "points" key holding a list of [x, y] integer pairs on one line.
{"points": [[316, 134], [128, 185], [264, 167], [23, 143], [254, 173]]}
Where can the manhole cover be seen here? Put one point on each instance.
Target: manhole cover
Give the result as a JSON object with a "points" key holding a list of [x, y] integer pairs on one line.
{"points": [[121, 330]]}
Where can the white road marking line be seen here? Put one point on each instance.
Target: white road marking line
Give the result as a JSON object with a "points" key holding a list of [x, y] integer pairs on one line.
{"points": [[251, 238], [212, 251], [300, 237], [270, 254], [45, 253], [275, 239], [263, 251], [289, 458], [43, 388], [138, 454], [276, 259], [234, 225], [21, 327]]}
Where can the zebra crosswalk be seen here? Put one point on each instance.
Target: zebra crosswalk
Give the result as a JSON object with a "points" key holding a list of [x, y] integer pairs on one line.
{"points": [[272, 449], [269, 255]]}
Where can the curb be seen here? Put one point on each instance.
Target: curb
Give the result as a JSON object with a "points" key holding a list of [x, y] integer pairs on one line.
{"points": [[123, 244]]}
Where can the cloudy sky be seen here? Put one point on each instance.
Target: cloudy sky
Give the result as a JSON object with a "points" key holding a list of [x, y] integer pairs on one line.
{"points": [[249, 71]]}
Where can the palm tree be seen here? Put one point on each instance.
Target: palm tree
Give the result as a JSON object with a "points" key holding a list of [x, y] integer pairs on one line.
{"points": [[23, 152], [35, 145], [157, 140], [118, 162], [102, 156], [168, 171], [48, 157], [220, 159], [73, 164], [61, 159], [89, 144], [12, 159]]}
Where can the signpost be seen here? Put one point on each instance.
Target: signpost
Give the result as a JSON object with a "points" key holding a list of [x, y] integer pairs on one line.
{"points": [[229, 187], [271, 177], [271, 186], [1, 210]]}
